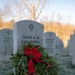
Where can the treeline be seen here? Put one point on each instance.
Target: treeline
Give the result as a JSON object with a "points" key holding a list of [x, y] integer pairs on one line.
{"points": [[63, 31], [6, 24]]}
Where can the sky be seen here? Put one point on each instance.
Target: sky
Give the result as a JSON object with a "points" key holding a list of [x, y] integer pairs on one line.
{"points": [[63, 10], [66, 8]]}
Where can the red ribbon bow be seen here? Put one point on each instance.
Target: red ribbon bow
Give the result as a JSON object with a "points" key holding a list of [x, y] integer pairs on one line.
{"points": [[35, 56]]}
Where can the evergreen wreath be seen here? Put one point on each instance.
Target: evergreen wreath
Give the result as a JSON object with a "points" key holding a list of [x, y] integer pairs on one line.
{"points": [[32, 60]]}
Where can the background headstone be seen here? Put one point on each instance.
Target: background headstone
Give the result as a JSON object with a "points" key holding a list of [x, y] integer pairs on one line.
{"points": [[6, 50], [59, 45], [71, 47], [27, 31], [49, 43], [6, 44]]}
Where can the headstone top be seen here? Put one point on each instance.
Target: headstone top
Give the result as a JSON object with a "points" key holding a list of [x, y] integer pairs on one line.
{"points": [[50, 33], [28, 21]]}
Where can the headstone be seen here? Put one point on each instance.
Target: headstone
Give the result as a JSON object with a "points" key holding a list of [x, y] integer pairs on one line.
{"points": [[72, 45], [58, 45], [6, 50], [49, 43], [68, 47], [27, 31], [6, 44], [72, 48], [61, 45]]}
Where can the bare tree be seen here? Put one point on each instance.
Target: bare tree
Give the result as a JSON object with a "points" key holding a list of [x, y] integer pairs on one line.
{"points": [[35, 7], [14, 10], [24, 9], [1, 13]]}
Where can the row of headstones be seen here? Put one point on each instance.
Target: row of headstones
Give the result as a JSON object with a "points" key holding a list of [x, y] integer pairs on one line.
{"points": [[24, 32], [71, 47]]}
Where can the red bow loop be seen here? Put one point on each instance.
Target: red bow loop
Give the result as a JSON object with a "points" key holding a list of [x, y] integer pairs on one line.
{"points": [[27, 50]]}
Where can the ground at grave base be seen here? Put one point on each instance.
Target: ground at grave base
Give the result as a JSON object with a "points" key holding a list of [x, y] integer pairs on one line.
{"points": [[64, 61], [6, 68]]}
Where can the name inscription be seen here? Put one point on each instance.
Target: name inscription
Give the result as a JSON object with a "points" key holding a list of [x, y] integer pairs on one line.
{"points": [[33, 39]]}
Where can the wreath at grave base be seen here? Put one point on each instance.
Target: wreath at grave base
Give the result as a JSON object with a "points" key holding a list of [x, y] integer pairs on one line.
{"points": [[32, 60]]}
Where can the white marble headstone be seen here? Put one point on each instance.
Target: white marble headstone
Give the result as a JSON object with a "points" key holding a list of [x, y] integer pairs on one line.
{"points": [[6, 44], [49, 43], [57, 45], [27, 31], [72, 47], [61, 45]]}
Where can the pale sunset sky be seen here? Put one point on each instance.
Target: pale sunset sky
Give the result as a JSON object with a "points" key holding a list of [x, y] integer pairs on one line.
{"points": [[63, 10]]}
